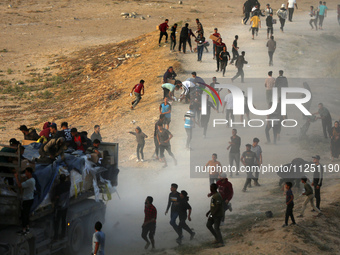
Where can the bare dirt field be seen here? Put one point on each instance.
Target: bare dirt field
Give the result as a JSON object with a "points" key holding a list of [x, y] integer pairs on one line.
{"points": [[66, 61]]}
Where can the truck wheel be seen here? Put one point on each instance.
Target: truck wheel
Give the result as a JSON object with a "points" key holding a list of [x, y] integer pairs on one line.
{"points": [[24, 249], [75, 237], [91, 221]]}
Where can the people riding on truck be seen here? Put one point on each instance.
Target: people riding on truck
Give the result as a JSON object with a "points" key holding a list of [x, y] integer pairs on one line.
{"points": [[27, 186], [52, 149], [79, 142], [29, 134], [61, 201]]}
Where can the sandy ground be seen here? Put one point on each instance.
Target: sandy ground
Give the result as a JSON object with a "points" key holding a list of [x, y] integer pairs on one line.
{"points": [[301, 53]]}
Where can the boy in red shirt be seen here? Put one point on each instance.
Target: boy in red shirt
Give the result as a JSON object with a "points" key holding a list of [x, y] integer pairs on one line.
{"points": [[162, 28], [137, 89], [149, 225], [78, 140], [225, 188]]}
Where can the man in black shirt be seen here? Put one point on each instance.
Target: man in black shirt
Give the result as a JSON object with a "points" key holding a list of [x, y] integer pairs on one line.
{"points": [[234, 153], [218, 48], [173, 38], [158, 122], [66, 133], [326, 119], [173, 201], [183, 38], [29, 134], [205, 118], [239, 65], [317, 179], [218, 90], [281, 82], [61, 200], [269, 23], [249, 160], [54, 132], [224, 57], [163, 138], [169, 75], [246, 10], [234, 50]]}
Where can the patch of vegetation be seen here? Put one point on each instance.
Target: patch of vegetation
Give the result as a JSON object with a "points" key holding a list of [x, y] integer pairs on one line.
{"points": [[5, 82], [4, 50], [46, 95], [9, 71], [57, 79]]}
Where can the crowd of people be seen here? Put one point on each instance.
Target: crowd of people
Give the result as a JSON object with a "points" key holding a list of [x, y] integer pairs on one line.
{"points": [[221, 193], [55, 142]]}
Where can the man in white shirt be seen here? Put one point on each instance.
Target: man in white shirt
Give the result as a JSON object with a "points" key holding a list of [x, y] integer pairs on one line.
{"points": [[27, 186], [290, 5], [269, 85], [188, 87], [228, 102], [269, 10], [98, 240]]}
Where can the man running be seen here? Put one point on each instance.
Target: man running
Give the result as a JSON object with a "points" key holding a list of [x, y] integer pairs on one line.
{"points": [[234, 50], [173, 201], [239, 65], [173, 38], [149, 225], [224, 57], [189, 124], [249, 159], [217, 35], [213, 166], [138, 90], [160, 121], [234, 153], [215, 215], [255, 147], [162, 28], [163, 137], [226, 190]]}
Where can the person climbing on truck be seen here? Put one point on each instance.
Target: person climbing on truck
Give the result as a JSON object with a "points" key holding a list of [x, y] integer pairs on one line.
{"points": [[27, 186], [61, 200]]}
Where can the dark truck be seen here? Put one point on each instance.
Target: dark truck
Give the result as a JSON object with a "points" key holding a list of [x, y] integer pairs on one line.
{"points": [[82, 214]]}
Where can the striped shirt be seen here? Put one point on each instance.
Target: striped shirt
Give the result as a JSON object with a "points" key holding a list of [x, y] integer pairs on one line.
{"points": [[189, 119]]}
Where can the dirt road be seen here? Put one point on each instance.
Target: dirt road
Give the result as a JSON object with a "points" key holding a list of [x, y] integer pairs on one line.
{"points": [[125, 215]]}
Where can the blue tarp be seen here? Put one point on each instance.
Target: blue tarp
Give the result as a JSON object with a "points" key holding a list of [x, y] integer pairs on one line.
{"points": [[46, 174]]}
